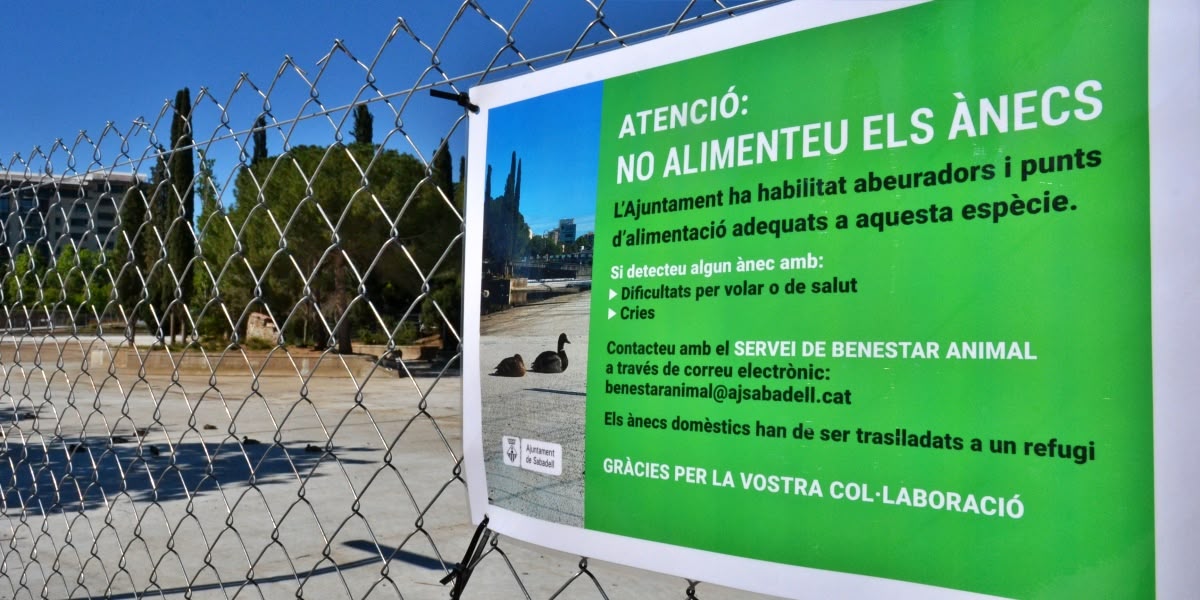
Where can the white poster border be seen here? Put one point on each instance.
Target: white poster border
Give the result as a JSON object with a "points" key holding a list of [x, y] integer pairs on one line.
{"points": [[1174, 125]]}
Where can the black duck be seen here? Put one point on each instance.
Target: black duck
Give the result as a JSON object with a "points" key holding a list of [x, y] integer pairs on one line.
{"points": [[550, 361]]}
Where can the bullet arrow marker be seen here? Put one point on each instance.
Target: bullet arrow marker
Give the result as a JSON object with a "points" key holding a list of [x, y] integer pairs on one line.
{"points": [[611, 294], [611, 313]]}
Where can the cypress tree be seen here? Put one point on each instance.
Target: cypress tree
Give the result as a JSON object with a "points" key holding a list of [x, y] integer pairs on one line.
{"points": [[181, 210], [130, 254], [443, 170], [260, 140], [448, 281], [517, 190], [508, 210], [151, 240], [364, 125], [510, 183]]}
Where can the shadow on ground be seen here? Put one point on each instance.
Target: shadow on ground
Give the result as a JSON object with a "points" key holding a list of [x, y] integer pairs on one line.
{"points": [[77, 475], [324, 567]]}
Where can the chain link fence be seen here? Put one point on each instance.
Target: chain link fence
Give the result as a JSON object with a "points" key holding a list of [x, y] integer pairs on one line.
{"points": [[230, 348]]}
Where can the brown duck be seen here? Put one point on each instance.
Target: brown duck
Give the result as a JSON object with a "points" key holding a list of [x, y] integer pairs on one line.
{"points": [[513, 366], [550, 361]]}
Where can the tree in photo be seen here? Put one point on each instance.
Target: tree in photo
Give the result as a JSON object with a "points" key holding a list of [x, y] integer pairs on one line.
{"points": [[506, 235]]}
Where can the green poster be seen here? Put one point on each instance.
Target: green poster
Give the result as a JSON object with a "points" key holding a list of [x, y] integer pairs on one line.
{"points": [[870, 298], [881, 301]]}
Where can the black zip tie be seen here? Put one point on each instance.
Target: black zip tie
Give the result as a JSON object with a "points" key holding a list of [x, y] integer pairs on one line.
{"points": [[462, 572], [461, 98]]}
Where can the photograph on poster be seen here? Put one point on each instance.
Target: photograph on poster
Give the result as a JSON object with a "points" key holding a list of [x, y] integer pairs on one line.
{"points": [[539, 214]]}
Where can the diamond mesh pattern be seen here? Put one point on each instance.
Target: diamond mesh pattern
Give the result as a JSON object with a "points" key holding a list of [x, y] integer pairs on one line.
{"points": [[240, 378]]}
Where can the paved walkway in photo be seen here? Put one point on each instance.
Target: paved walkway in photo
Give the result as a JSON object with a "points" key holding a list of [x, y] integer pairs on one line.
{"points": [[540, 406]]}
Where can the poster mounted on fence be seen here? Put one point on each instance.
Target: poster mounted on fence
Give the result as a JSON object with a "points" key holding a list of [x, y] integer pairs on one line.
{"points": [[828, 299]]}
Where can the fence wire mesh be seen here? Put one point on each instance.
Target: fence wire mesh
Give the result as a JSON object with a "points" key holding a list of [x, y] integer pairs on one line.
{"points": [[230, 342]]}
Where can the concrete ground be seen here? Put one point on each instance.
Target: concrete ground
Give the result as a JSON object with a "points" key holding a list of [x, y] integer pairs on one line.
{"points": [[376, 509]]}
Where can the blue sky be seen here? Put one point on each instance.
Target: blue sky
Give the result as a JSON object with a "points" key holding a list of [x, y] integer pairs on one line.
{"points": [[73, 67], [557, 139]]}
